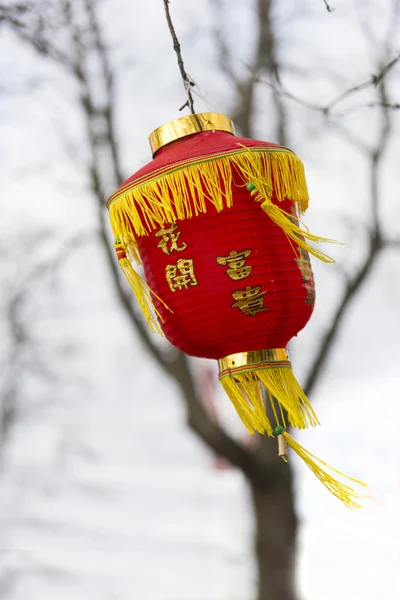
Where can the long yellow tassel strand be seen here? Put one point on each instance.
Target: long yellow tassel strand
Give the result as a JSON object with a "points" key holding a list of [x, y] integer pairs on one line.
{"points": [[142, 291], [287, 223], [321, 469], [187, 189]]}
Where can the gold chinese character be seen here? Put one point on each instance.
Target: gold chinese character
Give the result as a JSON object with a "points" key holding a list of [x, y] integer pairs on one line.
{"points": [[169, 241], [180, 275], [250, 300], [236, 262]]}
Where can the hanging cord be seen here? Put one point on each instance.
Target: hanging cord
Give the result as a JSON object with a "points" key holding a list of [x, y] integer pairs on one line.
{"points": [[187, 81]]}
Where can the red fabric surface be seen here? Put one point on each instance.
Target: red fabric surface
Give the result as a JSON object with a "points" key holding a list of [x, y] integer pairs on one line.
{"points": [[203, 322], [198, 144]]}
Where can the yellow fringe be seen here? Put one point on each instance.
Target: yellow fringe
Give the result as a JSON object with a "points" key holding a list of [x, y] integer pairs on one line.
{"points": [[245, 390], [321, 469], [186, 190]]}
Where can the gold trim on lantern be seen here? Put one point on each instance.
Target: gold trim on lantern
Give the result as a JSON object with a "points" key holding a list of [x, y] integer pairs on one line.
{"points": [[179, 128], [246, 359]]}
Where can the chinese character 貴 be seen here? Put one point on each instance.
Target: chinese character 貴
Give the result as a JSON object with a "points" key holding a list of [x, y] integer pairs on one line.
{"points": [[236, 261], [250, 300], [169, 239], [179, 276]]}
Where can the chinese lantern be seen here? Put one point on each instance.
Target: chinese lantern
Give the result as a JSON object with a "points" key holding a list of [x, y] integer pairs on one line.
{"points": [[214, 220]]}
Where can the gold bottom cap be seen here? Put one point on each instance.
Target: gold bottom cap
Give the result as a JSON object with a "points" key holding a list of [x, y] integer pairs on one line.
{"points": [[252, 358]]}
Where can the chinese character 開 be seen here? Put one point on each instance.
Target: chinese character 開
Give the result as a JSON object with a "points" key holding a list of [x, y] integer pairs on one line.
{"points": [[236, 261], [169, 239], [179, 276]]}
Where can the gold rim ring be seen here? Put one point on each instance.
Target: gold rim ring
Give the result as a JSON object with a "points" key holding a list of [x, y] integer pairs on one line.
{"points": [[248, 359]]}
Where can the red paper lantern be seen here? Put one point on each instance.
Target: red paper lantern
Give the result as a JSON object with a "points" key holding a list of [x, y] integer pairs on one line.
{"points": [[214, 219]]}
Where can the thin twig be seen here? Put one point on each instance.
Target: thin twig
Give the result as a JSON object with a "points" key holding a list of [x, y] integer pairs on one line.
{"points": [[187, 81], [374, 80], [328, 7], [378, 78], [390, 105]]}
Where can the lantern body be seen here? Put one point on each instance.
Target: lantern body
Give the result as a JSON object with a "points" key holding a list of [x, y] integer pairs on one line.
{"points": [[265, 300], [233, 281]]}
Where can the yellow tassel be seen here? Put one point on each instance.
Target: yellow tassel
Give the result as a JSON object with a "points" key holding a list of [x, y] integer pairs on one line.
{"points": [[142, 291], [321, 469], [245, 390], [284, 387], [287, 223], [245, 393], [275, 173]]}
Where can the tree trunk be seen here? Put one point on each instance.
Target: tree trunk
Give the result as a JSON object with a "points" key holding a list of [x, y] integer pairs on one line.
{"points": [[275, 531]]}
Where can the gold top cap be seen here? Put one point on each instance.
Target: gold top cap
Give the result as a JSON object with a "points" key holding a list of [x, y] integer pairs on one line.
{"points": [[179, 128]]}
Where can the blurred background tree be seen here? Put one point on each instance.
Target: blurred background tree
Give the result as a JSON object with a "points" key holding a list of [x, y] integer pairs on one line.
{"points": [[270, 93]]}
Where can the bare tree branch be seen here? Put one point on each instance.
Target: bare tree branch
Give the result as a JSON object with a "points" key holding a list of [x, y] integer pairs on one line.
{"points": [[374, 80], [375, 244], [109, 82], [377, 156], [328, 7], [391, 105], [21, 341], [224, 55], [207, 429], [385, 69], [31, 33], [327, 341], [264, 59], [282, 91], [267, 58]]}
